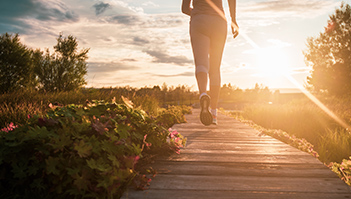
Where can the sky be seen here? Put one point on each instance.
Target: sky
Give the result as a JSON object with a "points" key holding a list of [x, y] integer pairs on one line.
{"points": [[142, 43]]}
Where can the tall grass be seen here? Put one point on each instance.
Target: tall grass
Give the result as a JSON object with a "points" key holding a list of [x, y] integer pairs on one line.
{"points": [[19, 106], [304, 119], [335, 145]]}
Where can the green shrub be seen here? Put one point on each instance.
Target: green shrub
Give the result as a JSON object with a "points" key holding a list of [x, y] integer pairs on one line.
{"points": [[343, 170], [172, 115], [79, 151]]}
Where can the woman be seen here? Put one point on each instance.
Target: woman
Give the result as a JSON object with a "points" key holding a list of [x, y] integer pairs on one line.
{"points": [[208, 32]]}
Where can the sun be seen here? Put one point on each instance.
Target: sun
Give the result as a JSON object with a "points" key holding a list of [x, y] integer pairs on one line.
{"points": [[272, 62]]}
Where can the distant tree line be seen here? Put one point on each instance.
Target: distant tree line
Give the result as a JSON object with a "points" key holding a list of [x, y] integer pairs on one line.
{"points": [[23, 67], [329, 56]]}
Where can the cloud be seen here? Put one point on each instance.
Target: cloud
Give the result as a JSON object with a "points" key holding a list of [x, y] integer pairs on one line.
{"points": [[129, 60], [150, 4], [15, 14], [108, 67], [290, 8], [101, 7], [38, 9], [125, 19], [185, 74], [161, 57], [140, 41]]}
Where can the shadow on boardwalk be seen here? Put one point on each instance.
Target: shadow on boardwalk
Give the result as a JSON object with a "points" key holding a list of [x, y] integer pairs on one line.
{"points": [[231, 161]]}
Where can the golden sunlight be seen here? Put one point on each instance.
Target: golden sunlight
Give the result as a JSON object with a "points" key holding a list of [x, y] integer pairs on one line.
{"points": [[272, 62]]}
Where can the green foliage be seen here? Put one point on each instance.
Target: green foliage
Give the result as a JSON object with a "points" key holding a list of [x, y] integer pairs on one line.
{"points": [[21, 67], [15, 63], [329, 55], [65, 69], [343, 170], [80, 151], [172, 115]]}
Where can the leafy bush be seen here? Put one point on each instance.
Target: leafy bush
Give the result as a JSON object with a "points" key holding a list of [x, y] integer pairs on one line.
{"points": [[172, 115], [343, 170], [80, 151]]}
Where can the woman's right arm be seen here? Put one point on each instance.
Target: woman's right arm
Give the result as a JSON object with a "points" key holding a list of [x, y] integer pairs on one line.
{"points": [[234, 24], [186, 9]]}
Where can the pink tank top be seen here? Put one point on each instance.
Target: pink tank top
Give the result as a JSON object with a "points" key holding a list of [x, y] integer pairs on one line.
{"points": [[202, 7]]}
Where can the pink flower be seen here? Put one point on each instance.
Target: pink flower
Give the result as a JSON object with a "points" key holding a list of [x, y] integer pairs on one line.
{"points": [[9, 127]]}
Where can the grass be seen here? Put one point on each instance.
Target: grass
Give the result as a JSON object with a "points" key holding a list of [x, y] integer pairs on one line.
{"points": [[335, 145], [304, 119], [303, 125]]}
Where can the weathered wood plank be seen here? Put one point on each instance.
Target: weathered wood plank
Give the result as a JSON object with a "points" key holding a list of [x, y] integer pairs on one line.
{"points": [[243, 169], [232, 160], [247, 183], [253, 158], [210, 194]]}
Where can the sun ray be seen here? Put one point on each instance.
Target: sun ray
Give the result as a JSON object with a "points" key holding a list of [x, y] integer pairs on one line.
{"points": [[288, 76]]}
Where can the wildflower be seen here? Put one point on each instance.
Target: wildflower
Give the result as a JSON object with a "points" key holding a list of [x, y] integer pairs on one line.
{"points": [[9, 128], [146, 143]]}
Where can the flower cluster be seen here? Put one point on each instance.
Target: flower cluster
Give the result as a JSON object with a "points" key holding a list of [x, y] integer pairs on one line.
{"points": [[9, 128], [176, 139], [343, 170]]}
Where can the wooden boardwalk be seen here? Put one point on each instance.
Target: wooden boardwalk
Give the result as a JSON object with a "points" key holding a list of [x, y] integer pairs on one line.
{"points": [[231, 160]]}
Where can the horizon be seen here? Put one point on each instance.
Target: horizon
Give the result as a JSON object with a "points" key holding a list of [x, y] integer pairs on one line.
{"points": [[146, 42]]}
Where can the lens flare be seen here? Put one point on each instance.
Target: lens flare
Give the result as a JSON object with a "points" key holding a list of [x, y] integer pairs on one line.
{"points": [[289, 77]]}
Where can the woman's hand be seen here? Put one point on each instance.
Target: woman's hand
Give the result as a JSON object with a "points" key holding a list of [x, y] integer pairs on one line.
{"points": [[235, 28], [186, 9]]}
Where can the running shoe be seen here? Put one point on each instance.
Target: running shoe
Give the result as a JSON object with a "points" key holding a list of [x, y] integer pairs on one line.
{"points": [[205, 114], [214, 120]]}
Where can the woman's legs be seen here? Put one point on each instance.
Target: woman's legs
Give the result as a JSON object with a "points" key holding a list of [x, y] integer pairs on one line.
{"points": [[200, 43], [215, 60], [208, 34]]}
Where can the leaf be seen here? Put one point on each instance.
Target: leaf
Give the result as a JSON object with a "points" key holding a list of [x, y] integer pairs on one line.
{"points": [[92, 163], [114, 160], [100, 127], [37, 184], [83, 149], [32, 170], [61, 142], [51, 165], [81, 182], [127, 102], [123, 131], [72, 171], [19, 170], [98, 165]]}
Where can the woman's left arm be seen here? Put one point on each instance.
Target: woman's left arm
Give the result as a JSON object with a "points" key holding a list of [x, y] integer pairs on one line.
{"points": [[186, 9]]}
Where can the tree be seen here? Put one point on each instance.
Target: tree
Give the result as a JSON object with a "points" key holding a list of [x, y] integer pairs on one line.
{"points": [[15, 63], [329, 55], [65, 69]]}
